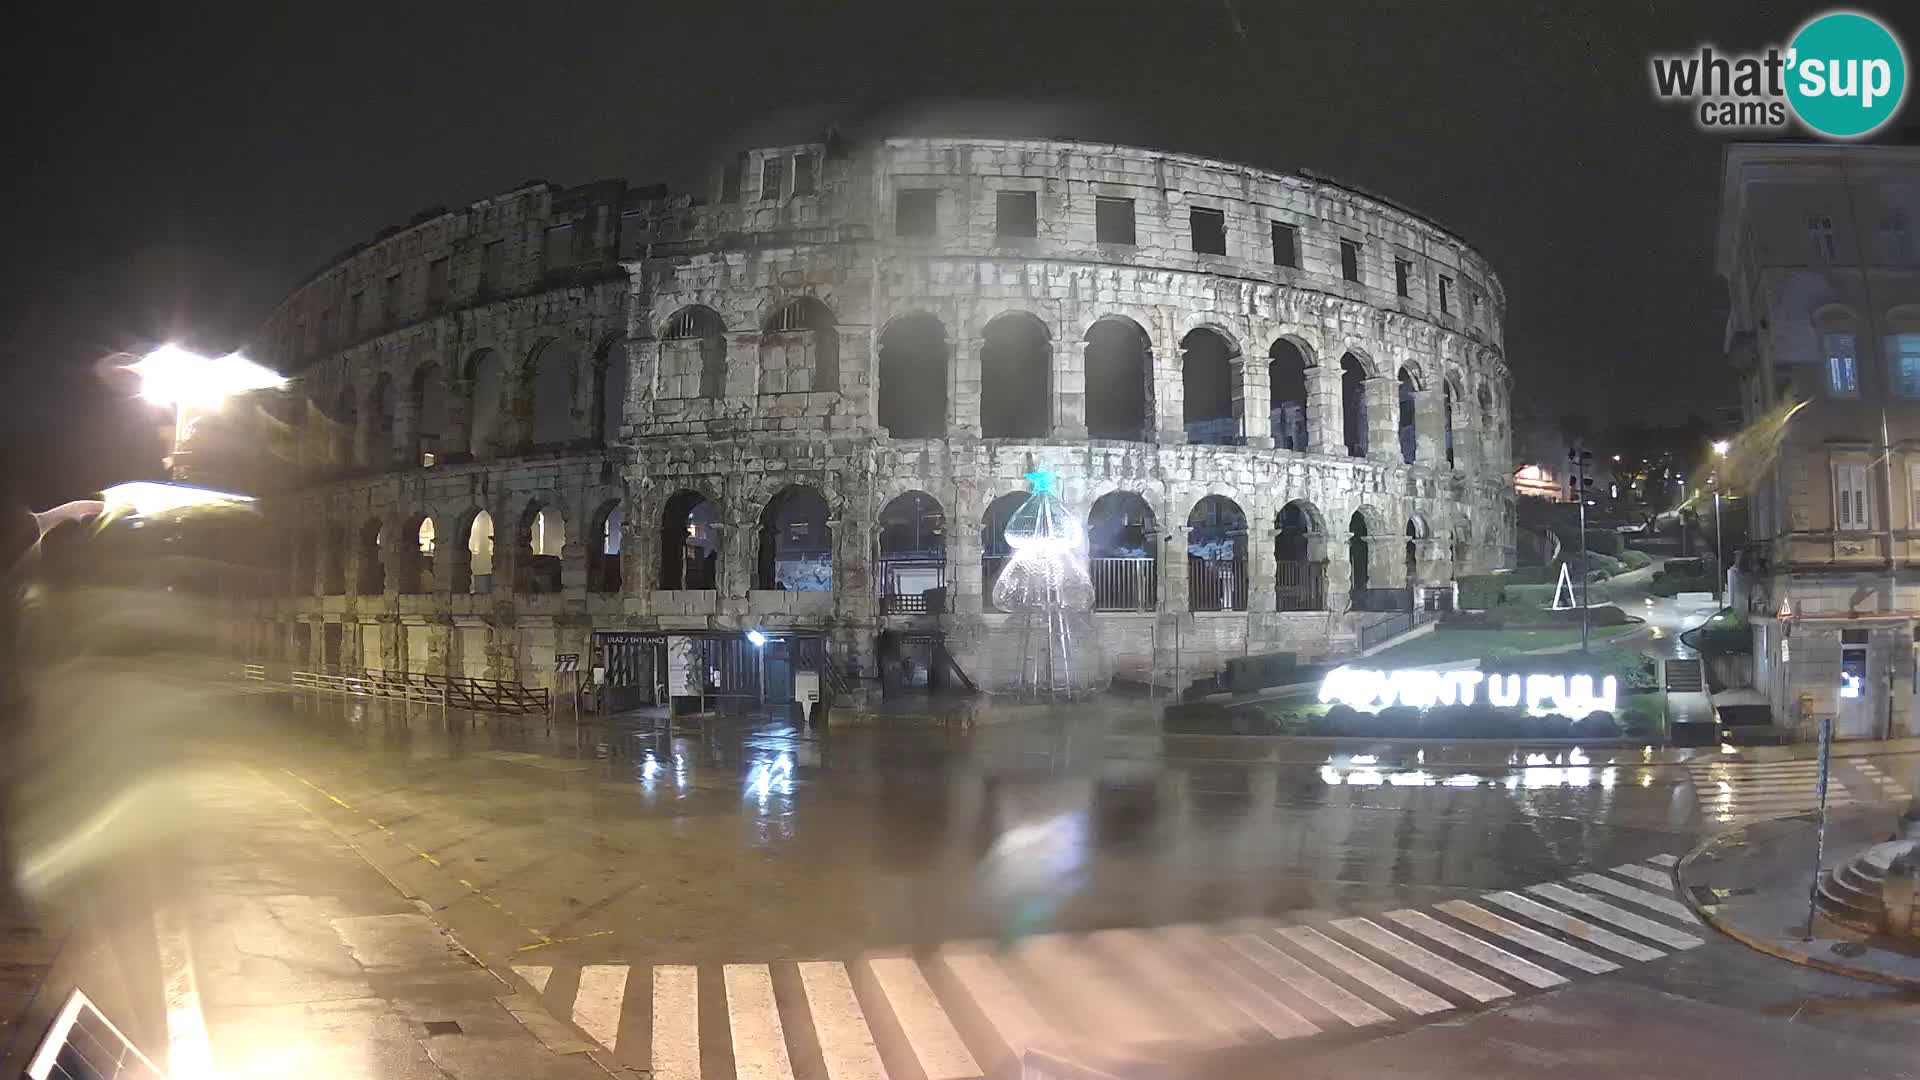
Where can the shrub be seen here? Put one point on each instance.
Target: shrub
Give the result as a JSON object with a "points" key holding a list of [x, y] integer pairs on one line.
{"points": [[1480, 591], [1532, 575], [1595, 725], [1519, 614], [1669, 584], [1634, 560], [1538, 596], [1635, 672], [1605, 541], [1640, 724]]}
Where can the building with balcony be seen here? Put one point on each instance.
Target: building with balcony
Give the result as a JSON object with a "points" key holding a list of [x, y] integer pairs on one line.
{"points": [[617, 422], [1816, 246]]}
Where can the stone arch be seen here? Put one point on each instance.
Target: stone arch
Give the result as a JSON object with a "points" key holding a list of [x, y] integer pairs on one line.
{"points": [[1407, 401], [1417, 533], [1119, 379], [382, 403], [604, 539], [800, 349], [1353, 403], [994, 549], [610, 392], [333, 560], [1209, 387], [911, 547], [1287, 364], [370, 564], [1453, 416], [693, 353], [1123, 539], [487, 408], [473, 553], [913, 365], [1016, 368], [431, 422], [689, 541], [539, 544], [418, 544], [1300, 557], [547, 385], [796, 542], [1216, 555]]}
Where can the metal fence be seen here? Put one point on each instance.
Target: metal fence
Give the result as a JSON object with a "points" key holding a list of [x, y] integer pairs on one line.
{"points": [[461, 692], [911, 586], [1126, 583], [1389, 628], [1300, 586], [1216, 585]]}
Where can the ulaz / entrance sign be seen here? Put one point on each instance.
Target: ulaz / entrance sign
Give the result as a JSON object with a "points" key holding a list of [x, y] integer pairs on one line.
{"points": [[1371, 690]]}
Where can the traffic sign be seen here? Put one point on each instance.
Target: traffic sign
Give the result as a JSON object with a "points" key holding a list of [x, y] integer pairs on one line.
{"points": [[567, 661]]}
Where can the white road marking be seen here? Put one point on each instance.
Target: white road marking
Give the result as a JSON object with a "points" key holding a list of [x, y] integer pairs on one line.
{"points": [[1323, 991], [1477, 987], [1012, 1016], [936, 1045], [1663, 860], [676, 1022], [1645, 899], [759, 1042], [1625, 920], [1079, 985], [596, 1008], [1405, 994], [846, 1043], [1651, 877], [1580, 928], [1208, 953], [1144, 955], [536, 976], [1493, 956], [1520, 935]]}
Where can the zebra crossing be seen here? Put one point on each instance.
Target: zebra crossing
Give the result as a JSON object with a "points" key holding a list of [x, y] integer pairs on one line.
{"points": [[1737, 792], [1114, 998]]}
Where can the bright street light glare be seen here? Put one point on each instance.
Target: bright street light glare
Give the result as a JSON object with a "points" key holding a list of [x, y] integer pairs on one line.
{"points": [[756, 637], [1721, 446], [147, 499], [171, 375]]}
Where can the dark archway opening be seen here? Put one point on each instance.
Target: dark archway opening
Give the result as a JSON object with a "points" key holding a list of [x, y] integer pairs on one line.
{"points": [[911, 571], [1123, 540], [1353, 404], [796, 543], [994, 549], [1119, 380], [913, 377], [1217, 556], [1357, 556], [1300, 576], [689, 543], [1206, 380], [1015, 362], [1287, 385], [1409, 435]]}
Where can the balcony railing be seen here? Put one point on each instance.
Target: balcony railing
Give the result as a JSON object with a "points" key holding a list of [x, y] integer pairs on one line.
{"points": [[1125, 583], [1300, 586], [1216, 585], [911, 586]]}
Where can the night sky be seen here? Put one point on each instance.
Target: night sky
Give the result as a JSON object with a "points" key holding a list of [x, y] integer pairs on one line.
{"points": [[178, 168]]}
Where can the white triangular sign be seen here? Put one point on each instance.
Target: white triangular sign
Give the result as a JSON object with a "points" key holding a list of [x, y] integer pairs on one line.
{"points": [[1565, 587]]}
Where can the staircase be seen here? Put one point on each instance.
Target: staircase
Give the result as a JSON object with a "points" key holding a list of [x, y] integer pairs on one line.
{"points": [[1851, 895], [1685, 676]]}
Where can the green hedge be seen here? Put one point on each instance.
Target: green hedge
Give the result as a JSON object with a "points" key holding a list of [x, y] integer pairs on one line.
{"points": [[1635, 672], [1605, 541], [1667, 584], [1480, 591], [1532, 575], [1517, 613], [1634, 560]]}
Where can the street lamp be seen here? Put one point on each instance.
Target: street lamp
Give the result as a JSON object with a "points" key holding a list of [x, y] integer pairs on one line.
{"points": [[1720, 448], [191, 383], [1580, 461]]}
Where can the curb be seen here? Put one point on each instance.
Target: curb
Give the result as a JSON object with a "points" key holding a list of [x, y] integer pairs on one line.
{"points": [[1761, 945]]}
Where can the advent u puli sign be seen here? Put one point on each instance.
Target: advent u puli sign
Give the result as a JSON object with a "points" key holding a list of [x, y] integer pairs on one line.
{"points": [[1371, 690]]}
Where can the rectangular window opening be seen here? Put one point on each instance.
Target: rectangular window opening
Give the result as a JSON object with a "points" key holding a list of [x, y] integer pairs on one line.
{"points": [[1209, 230], [1820, 233], [1403, 277], [805, 170], [493, 265], [1851, 501], [914, 212], [1286, 244], [557, 252], [1843, 368], [772, 171], [1350, 259], [730, 179], [1905, 350], [1113, 220], [1446, 295], [1016, 213], [437, 281]]}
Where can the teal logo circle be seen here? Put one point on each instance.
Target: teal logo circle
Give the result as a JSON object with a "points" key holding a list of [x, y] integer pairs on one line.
{"points": [[1847, 74]]}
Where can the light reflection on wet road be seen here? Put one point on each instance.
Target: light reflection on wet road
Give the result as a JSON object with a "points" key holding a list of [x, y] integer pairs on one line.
{"points": [[769, 841]]}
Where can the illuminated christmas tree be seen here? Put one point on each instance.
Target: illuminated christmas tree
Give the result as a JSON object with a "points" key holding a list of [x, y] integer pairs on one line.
{"points": [[1048, 648]]}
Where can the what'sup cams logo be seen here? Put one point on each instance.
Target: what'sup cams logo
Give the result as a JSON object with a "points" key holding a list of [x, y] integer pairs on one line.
{"points": [[1844, 75]]}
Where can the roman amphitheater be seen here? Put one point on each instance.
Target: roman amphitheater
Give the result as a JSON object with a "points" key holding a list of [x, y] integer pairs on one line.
{"points": [[637, 426]]}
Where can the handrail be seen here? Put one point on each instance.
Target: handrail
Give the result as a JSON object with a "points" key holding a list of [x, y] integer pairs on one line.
{"points": [[460, 691]]}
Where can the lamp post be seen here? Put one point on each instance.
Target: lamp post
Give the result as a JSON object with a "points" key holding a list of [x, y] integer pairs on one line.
{"points": [[1720, 448], [190, 384], [1579, 482]]}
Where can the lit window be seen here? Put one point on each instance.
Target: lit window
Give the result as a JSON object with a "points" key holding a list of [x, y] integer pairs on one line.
{"points": [[1850, 500], [1843, 370], [1905, 351]]}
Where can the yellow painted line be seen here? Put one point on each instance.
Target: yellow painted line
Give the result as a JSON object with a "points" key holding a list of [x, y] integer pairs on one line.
{"points": [[562, 941]]}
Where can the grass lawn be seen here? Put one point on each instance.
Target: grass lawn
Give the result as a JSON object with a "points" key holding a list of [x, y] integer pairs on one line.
{"points": [[1443, 645]]}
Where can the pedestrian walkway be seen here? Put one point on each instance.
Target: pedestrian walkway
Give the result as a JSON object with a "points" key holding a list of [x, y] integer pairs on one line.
{"points": [[1117, 998], [1736, 792]]}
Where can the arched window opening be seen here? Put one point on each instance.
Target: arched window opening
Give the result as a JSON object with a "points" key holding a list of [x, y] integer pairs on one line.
{"points": [[1287, 380], [1206, 378], [603, 556], [345, 427], [800, 349], [487, 377], [693, 354], [416, 558], [1299, 547], [1124, 542], [613, 394], [796, 543], [382, 402], [1446, 416], [542, 538], [430, 412], [480, 554], [1015, 362], [911, 570], [1414, 535], [913, 377], [994, 549], [333, 562], [370, 575], [1217, 556], [1357, 550], [551, 384], [1409, 436], [1486, 409], [1353, 404], [1119, 379], [689, 543]]}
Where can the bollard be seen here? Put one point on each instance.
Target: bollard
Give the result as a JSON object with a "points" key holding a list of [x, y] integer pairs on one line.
{"points": [[1896, 895]]}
